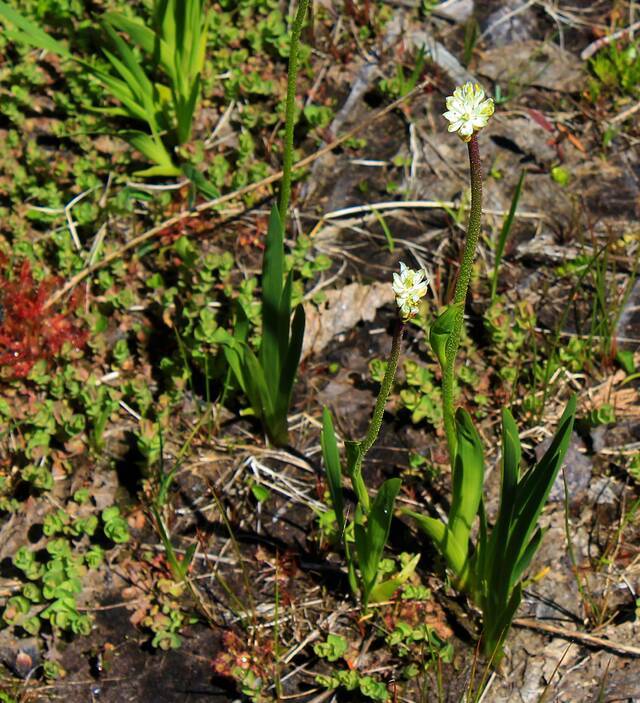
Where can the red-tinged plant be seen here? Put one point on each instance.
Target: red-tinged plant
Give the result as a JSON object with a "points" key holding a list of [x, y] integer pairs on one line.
{"points": [[236, 657], [30, 332]]}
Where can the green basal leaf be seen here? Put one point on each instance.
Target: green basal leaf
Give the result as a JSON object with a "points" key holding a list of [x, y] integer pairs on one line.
{"points": [[290, 364], [370, 541], [354, 454], [187, 559], [453, 552], [272, 284], [199, 181], [496, 625], [256, 387], [527, 555], [185, 107], [143, 36], [495, 563], [468, 478], [534, 489], [354, 471]]}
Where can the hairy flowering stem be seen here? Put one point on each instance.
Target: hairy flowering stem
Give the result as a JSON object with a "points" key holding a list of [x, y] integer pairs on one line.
{"points": [[285, 188], [385, 389], [376, 420], [462, 286], [409, 286]]}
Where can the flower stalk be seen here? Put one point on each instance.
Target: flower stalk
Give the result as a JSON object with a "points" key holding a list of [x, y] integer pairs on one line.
{"points": [[290, 106], [385, 389], [462, 287]]}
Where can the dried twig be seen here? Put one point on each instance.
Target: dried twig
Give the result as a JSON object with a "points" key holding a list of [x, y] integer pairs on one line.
{"points": [[590, 50], [583, 637]]}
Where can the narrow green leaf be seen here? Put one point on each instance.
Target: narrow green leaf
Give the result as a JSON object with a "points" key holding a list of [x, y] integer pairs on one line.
{"points": [[559, 445], [468, 478], [235, 360], [121, 91], [440, 331], [527, 555], [453, 552], [127, 64], [370, 541], [257, 389], [354, 471], [354, 453], [333, 467], [290, 362], [185, 107], [144, 37], [497, 583], [199, 181], [187, 559], [158, 172], [481, 557], [272, 283], [534, 488], [153, 149], [284, 317], [385, 590], [497, 624], [30, 33], [511, 456]]}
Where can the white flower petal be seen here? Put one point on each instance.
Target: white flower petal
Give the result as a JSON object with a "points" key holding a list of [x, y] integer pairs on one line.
{"points": [[409, 286], [468, 110]]}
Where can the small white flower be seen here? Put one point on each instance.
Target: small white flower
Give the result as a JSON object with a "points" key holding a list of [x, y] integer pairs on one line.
{"points": [[468, 110], [409, 286]]}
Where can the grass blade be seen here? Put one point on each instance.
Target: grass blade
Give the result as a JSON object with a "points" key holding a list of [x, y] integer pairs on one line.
{"points": [[504, 233]]}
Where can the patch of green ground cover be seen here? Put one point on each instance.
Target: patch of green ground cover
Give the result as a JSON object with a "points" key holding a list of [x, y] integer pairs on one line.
{"points": [[47, 99], [68, 409]]}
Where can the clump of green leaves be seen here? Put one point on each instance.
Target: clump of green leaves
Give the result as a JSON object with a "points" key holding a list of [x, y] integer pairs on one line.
{"points": [[510, 330], [400, 84], [616, 71], [54, 577], [267, 378], [365, 536], [174, 45], [491, 571], [332, 650]]}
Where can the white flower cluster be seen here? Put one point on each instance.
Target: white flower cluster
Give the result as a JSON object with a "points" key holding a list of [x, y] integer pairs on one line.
{"points": [[409, 286], [468, 110]]}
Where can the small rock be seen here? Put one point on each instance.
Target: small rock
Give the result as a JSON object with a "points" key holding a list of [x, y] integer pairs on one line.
{"points": [[578, 468], [535, 63], [506, 21], [456, 11], [603, 492]]}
